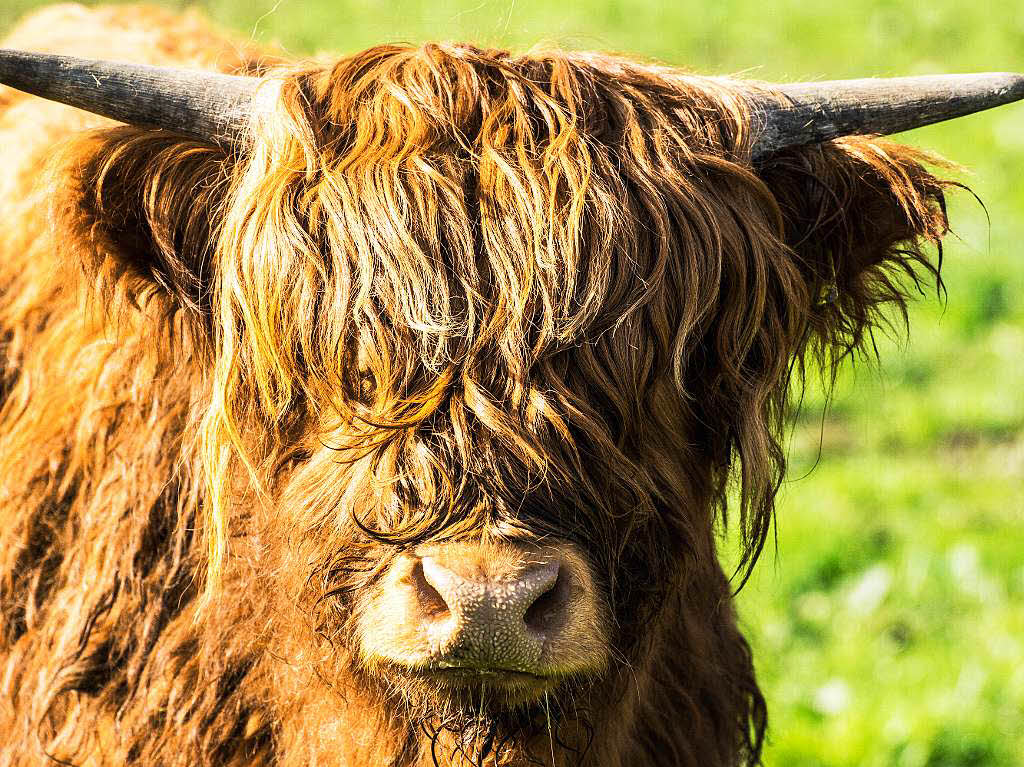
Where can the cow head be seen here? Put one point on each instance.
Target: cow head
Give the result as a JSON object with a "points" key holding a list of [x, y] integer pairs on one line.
{"points": [[489, 345]]}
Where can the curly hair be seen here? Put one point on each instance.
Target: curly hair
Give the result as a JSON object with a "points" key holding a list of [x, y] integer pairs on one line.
{"points": [[444, 292]]}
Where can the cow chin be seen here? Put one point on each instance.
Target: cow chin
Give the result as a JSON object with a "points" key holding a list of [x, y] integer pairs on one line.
{"points": [[486, 718]]}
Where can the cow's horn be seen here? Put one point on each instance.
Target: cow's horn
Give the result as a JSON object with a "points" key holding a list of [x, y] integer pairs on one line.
{"points": [[207, 105], [806, 113]]}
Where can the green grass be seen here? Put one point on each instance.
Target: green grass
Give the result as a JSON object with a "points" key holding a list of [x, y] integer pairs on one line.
{"points": [[889, 626]]}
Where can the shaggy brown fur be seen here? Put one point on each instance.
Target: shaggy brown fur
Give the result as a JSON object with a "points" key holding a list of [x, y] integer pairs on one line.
{"points": [[446, 293]]}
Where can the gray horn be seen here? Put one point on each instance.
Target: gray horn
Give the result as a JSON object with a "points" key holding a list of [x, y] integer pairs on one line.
{"points": [[207, 105], [806, 113], [215, 107]]}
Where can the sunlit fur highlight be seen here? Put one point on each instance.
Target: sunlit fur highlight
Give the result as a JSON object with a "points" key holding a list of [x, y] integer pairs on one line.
{"points": [[445, 292]]}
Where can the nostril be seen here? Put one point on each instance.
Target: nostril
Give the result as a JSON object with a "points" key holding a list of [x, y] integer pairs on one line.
{"points": [[519, 599], [429, 598], [548, 610]]}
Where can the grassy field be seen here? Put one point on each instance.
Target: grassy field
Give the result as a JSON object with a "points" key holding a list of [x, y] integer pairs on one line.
{"points": [[889, 624]]}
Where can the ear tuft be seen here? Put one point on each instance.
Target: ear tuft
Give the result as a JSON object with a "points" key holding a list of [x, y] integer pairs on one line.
{"points": [[861, 215], [147, 207]]}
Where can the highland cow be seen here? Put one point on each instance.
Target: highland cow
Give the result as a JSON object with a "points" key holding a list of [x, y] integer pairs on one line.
{"points": [[392, 419]]}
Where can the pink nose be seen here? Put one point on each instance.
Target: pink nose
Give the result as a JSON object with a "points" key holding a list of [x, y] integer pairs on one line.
{"points": [[465, 608], [497, 622]]}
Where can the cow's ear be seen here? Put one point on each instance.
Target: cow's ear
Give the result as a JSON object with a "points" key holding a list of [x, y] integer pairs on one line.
{"points": [[864, 219], [144, 207]]}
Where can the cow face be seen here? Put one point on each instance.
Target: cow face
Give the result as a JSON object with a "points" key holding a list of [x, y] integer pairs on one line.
{"points": [[487, 340]]}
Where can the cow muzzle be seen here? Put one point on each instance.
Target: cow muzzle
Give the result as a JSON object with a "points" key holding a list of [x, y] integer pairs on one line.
{"points": [[467, 613]]}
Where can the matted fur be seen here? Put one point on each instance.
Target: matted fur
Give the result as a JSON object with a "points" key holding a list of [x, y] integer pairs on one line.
{"points": [[446, 293]]}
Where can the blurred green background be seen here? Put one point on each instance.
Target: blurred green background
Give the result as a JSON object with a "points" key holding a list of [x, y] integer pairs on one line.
{"points": [[889, 625]]}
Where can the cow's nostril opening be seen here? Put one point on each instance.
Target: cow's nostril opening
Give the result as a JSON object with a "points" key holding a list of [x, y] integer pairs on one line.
{"points": [[548, 611], [430, 600]]}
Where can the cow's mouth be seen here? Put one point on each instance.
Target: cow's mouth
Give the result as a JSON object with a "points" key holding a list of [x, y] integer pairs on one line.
{"points": [[492, 687], [473, 675]]}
